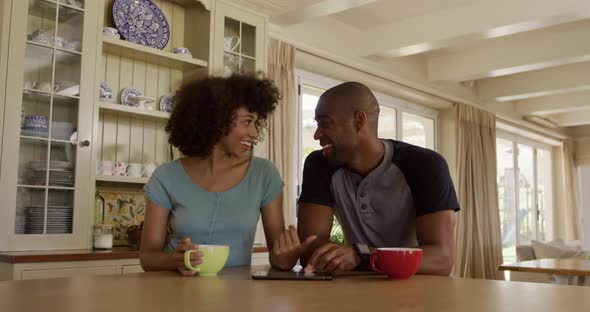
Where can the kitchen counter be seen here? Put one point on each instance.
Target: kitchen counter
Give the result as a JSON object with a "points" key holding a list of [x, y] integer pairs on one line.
{"points": [[77, 255]]}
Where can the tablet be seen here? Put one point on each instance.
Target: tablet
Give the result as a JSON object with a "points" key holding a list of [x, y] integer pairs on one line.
{"points": [[291, 275]]}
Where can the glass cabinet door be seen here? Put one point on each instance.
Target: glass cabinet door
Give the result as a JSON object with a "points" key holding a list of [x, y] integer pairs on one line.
{"points": [[50, 103], [240, 38], [45, 172], [239, 47]]}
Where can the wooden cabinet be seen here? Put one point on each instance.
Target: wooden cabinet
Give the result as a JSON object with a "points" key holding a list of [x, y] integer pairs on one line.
{"points": [[43, 270], [46, 144]]}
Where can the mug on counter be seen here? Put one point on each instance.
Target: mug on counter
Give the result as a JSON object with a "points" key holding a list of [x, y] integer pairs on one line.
{"points": [[398, 263], [214, 259], [120, 169], [104, 167], [135, 170]]}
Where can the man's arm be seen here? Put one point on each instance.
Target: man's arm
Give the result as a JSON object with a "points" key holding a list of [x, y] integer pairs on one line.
{"points": [[314, 219], [436, 239]]}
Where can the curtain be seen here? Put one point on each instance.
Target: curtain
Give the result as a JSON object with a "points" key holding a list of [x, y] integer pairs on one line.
{"points": [[283, 122], [566, 212], [478, 243]]}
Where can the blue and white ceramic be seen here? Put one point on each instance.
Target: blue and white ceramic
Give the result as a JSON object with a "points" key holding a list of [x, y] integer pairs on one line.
{"points": [[167, 103], [35, 125], [129, 91], [142, 22], [106, 92]]}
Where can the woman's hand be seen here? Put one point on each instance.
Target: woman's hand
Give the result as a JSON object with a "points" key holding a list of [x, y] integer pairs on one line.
{"points": [[287, 249], [178, 256]]}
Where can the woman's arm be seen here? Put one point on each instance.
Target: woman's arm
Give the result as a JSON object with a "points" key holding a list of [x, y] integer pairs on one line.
{"points": [[153, 237], [283, 244]]}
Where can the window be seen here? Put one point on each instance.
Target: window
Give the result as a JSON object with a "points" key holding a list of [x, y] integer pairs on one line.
{"points": [[524, 193]]}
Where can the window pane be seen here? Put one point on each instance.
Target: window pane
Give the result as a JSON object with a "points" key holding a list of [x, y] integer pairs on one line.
{"points": [[418, 130], [526, 214], [544, 196], [309, 100], [387, 125], [506, 198]]}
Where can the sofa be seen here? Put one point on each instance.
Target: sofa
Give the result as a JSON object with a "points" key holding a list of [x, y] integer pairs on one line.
{"points": [[556, 249]]}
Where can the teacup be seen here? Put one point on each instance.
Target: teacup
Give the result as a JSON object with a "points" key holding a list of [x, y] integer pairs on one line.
{"points": [[400, 263], [120, 169], [231, 43], [60, 42], [111, 32], [214, 259], [149, 169], [104, 167], [135, 170], [29, 84], [46, 87], [41, 35], [182, 51]]}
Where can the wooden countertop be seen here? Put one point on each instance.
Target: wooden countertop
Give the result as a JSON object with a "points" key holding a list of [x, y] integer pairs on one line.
{"points": [[234, 290], [77, 255], [578, 267]]}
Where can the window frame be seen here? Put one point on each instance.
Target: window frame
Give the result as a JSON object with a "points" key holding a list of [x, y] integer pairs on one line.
{"points": [[535, 145]]}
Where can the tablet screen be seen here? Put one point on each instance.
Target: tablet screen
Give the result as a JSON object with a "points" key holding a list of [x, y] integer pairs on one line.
{"points": [[290, 275]]}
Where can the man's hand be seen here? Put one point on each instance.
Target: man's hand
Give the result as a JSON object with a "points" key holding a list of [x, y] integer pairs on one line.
{"points": [[287, 248], [332, 258]]}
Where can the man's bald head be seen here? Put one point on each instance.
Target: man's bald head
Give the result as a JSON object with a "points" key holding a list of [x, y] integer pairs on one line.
{"points": [[350, 97]]}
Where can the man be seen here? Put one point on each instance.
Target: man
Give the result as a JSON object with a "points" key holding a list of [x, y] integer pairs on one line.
{"points": [[385, 193]]}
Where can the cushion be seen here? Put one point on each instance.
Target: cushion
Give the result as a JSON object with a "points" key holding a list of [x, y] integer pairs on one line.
{"points": [[552, 250]]}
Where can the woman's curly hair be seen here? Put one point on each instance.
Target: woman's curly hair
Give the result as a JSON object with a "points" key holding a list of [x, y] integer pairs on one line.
{"points": [[205, 109]]}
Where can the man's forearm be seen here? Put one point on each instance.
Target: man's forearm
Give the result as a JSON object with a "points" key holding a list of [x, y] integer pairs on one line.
{"points": [[435, 260]]}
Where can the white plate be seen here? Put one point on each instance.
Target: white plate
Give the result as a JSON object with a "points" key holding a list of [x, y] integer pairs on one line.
{"points": [[129, 91]]}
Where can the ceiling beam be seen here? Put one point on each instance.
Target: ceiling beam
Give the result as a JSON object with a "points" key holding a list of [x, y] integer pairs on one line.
{"points": [[514, 54], [554, 104], [556, 80], [322, 8], [572, 119], [477, 20]]}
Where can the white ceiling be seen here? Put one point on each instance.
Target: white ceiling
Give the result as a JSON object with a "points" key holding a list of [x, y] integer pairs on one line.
{"points": [[528, 57]]}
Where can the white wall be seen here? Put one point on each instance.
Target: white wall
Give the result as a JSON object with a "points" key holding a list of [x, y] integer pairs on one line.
{"points": [[585, 200]]}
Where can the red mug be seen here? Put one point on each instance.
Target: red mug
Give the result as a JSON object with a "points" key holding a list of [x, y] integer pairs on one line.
{"points": [[400, 263]]}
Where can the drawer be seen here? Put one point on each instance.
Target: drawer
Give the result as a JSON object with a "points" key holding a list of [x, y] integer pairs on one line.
{"points": [[68, 272]]}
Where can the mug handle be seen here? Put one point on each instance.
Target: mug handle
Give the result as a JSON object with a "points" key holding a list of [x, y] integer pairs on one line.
{"points": [[373, 266], [187, 261], [235, 45]]}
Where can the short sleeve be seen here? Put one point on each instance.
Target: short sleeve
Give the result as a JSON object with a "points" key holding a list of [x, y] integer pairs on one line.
{"points": [[273, 183], [317, 175], [431, 183], [155, 190]]}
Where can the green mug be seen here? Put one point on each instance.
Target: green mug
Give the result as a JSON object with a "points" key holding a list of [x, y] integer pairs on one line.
{"points": [[214, 258]]}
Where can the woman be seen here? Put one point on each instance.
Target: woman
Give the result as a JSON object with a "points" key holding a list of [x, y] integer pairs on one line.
{"points": [[217, 192]]}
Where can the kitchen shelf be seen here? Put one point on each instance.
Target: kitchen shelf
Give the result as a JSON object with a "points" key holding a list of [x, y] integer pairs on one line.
{"points": [[151, 55], [132, 111], [122, 179]]}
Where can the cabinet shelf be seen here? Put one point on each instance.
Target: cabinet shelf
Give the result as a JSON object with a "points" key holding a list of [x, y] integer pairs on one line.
{"points": [[132, 111], [120, 179], [136, 51]]}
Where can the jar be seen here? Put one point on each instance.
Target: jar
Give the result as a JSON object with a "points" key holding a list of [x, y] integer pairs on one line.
{"points": [[103, 236]]}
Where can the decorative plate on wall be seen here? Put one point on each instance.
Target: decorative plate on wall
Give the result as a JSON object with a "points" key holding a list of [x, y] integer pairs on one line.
{"points": [[142, 22]]}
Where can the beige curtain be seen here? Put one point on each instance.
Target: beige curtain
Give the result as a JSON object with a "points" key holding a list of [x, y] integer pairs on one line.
{"points": [[478, 243], [282, 124], [567, 221]]}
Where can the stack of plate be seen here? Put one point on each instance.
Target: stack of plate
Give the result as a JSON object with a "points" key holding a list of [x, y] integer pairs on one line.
{"points": [[19, 227], [60, 173], [59, 220]]}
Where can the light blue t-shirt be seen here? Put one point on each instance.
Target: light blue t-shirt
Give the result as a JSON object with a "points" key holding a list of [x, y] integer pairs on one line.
{"points": [[215, 218]]}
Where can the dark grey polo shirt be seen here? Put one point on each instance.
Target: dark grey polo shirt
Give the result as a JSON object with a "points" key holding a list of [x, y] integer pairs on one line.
{"points": [[380, 209]]}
